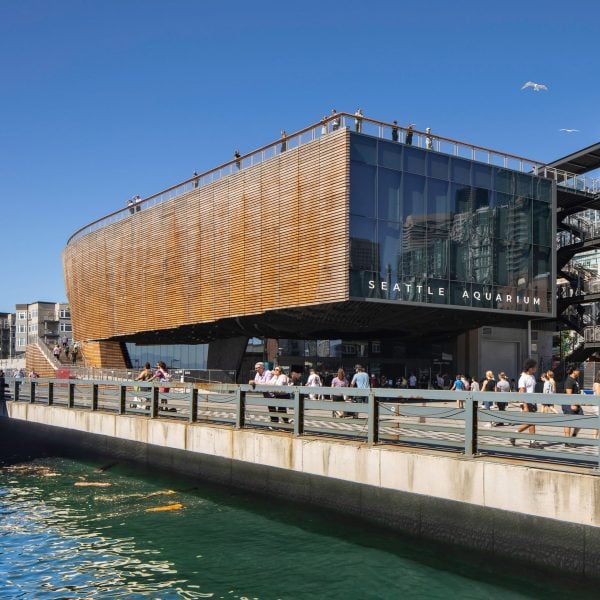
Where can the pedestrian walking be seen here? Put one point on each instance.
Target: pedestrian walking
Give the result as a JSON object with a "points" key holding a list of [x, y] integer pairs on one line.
{"points": [[237, 157], [395, 135], [527, 386], [458, 386], [360, 380], [75, 352], [572, 387], [314, 380], [549, 388], [339, 381]]}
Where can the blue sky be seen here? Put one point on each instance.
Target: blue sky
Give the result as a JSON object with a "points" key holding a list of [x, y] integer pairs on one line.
{"points": [[105, 99]]}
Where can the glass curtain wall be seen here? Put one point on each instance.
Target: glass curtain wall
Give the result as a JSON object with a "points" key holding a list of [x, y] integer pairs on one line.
{"points": [[176, 356], [432, 228]]}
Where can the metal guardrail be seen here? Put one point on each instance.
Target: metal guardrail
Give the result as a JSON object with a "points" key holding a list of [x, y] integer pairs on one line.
{"points": [[369, 126], [444, 420]]}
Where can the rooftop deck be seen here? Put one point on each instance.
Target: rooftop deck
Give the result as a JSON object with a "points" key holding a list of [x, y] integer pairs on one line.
{"points": [[572, 181]]}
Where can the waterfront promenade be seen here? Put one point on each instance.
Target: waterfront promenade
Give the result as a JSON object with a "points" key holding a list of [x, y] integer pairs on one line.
{"points": [[412, 460]]}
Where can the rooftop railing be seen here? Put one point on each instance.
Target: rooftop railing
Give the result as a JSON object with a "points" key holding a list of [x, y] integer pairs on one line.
{"points": [[366, 125]]}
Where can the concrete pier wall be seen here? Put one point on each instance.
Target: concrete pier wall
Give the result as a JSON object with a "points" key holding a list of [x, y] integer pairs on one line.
{"points": [[545, 515]]}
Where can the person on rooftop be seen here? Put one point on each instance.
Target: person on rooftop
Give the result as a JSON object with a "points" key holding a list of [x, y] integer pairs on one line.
{"points": [[358, 117], [409, 134], [283, 146]]}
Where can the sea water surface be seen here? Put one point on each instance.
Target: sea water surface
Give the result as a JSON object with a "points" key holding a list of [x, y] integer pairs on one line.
{"points": [[62, 540]]}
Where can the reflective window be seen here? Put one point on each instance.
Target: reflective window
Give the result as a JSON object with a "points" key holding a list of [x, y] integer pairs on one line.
{"points": [[524, 185], [414, 160], [460, 171], [364, 149], [363, 185], [364, 251], [389, 193], [448, 230], [176, 356], [413, 198], [438, 165], [390, 155], [482, 176], [542, 223]]}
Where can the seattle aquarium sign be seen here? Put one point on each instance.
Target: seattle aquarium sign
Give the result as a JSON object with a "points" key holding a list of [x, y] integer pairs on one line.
{"points": [[461, 294]]}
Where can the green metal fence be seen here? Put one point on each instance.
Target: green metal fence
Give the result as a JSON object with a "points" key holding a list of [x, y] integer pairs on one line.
{"points": [[442, 420]]}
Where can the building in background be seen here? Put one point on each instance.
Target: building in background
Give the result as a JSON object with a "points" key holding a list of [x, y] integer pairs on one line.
{"points": [[46, 322], [7, 335]]}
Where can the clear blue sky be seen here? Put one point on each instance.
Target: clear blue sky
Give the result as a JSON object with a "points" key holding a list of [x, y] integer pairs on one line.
{"points": [[105, 99]]}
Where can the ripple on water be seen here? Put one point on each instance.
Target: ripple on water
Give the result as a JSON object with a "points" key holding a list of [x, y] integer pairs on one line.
{"points": [[61, 541]]}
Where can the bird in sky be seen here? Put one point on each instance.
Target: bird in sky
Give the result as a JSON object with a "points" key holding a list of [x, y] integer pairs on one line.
{"points": [[536, 86], [569, 130]]}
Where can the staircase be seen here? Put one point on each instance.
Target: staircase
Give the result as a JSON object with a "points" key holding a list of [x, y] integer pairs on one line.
{"points": [[38, 358]]}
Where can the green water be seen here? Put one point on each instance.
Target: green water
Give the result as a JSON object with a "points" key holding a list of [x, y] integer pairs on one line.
{"points": [[58, 540]]}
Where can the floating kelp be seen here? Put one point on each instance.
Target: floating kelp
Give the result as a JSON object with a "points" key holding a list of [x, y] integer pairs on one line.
{"points": [[92, 484], [161, 493], [176, 506]]}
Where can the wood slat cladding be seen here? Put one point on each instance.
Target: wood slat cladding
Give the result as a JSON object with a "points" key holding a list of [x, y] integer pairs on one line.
{"points": [[269, 237], [36, 361], [104, 354]]}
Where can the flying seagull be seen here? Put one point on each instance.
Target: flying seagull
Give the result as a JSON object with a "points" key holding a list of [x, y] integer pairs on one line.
{"points": [[536, 86], [569, 130]]}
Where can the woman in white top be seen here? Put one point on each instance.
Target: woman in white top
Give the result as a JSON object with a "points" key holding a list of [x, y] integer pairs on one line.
{"points": [[278, 377], [549, 388], [313, 381]]}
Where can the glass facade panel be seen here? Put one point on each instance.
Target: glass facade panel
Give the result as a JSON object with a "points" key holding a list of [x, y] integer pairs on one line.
{"points": [[460, 171], [176, 356], [542, 223], [390, 156], [364, 149], [465, 234], [542, 190], [389, 193], [438, 165], [524, 185], [482, 176], [414, 160], [364, 250], [362, 183]]}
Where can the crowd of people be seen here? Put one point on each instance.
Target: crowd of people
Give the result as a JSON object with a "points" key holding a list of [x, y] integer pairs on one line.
{"points": [[527, 383], [69, 351]]}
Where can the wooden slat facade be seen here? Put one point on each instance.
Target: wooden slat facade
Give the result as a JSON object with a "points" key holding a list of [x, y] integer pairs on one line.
{"points": [[272, 236]]}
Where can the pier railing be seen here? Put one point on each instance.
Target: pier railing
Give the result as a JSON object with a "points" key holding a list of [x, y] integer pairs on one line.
{"points": [[331, 124], [439, 419]]}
